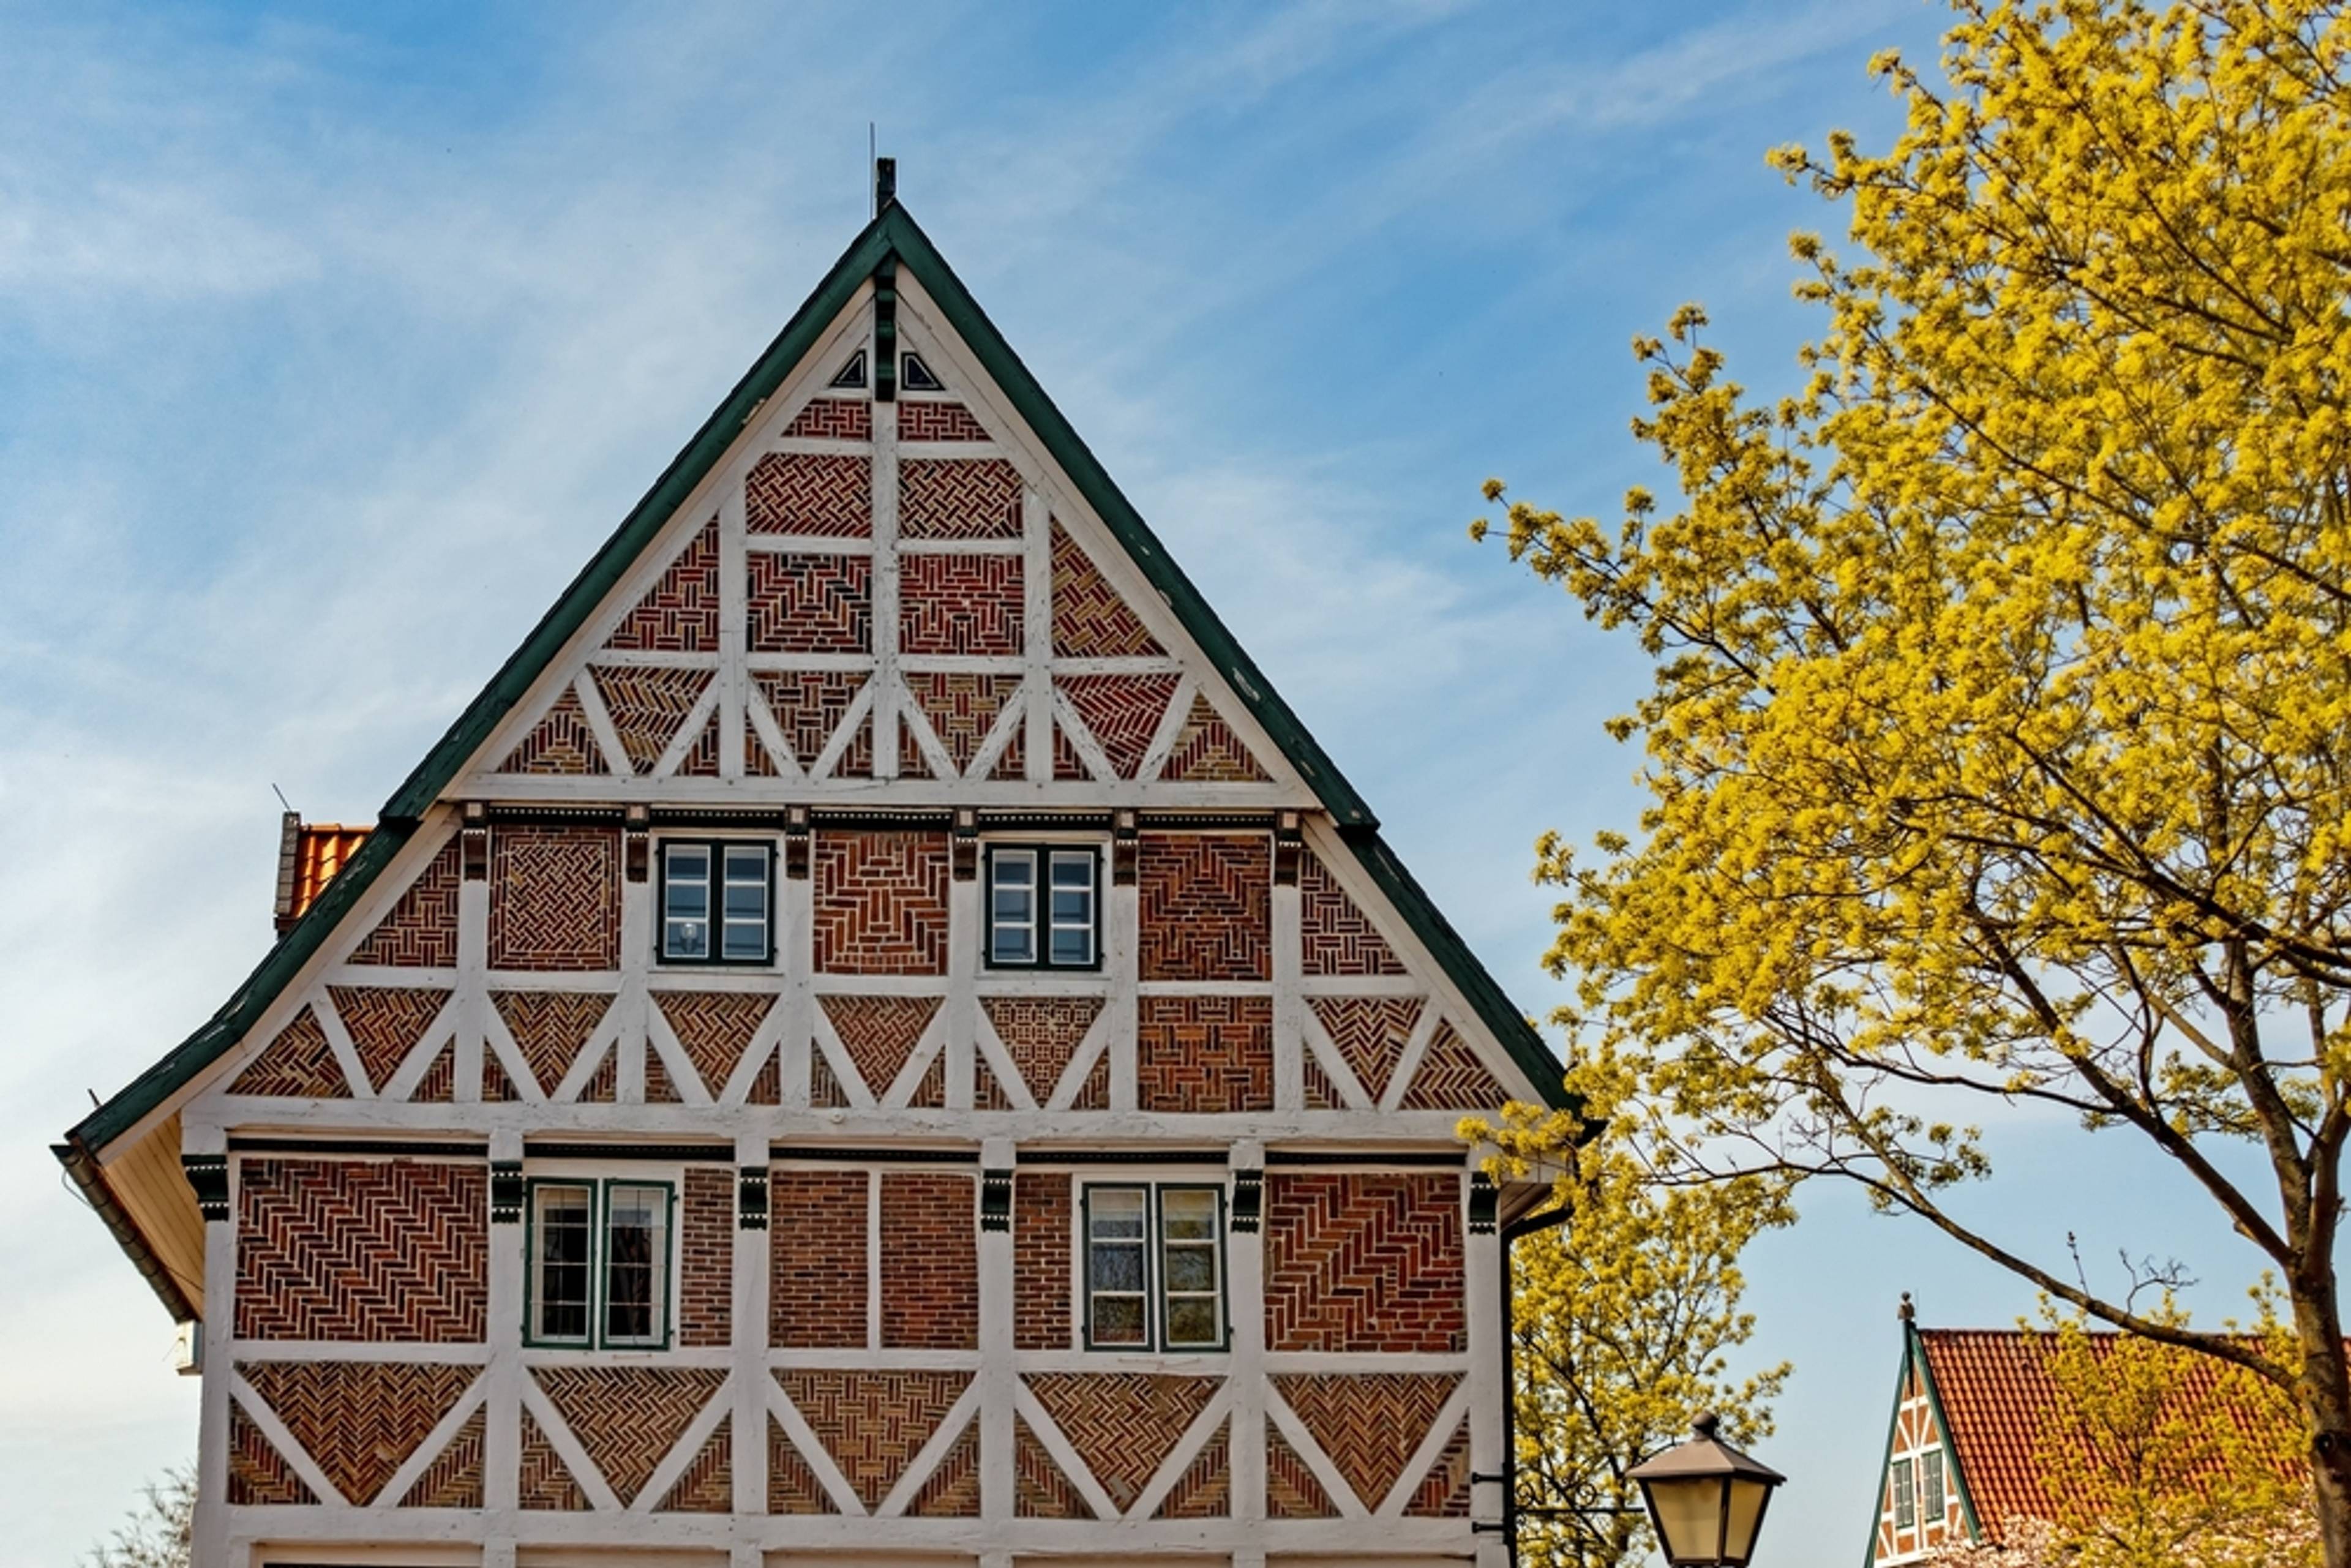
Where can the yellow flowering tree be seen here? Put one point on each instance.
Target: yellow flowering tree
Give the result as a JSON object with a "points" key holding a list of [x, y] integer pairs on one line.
{"points": [[1998, 751], [1621, 1326]]}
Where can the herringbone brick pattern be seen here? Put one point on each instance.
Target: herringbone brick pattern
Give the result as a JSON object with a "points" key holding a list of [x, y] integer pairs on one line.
{"points": [[353, 1251], [931, 1094], [857, 757], [1042, 1034], [1040, 1489], [808, 706], [1451, 1078], [259, 1473], [767, 1087], [1363, 1263], [816, 1250], [421, 932], [385, 1023], [925, 420], [648, 707], [1122, 1425], [1012, 762], [881, 903], [1094, 1095], [439, 1084], [603, 1085], [1321, 1093], [811, 603], [1089, 620], [960, 605], [358, 1420], [1337, 938], [1371, 1033], [1292, 1490], [1121, 713], [825, 1092], [756, 762], [1040, 1261], [792, 1486], [957, 498], [952, 1490], [930, 1261], [987, 1093], [961, 708], [832, 418], [496, 1087], [555, 898], [1443, 1492], [879, 1033], [561, 743], [872, 1423], [1204, 1054], [715, 1028], [545, 1482], [701, 758], [1067, 763], [1204, 1489], [681, 614], [659, 1089], [628, 1418], [806, 493], [1367, 1424], [912, 763], [297, 1062], [1208, 749], [1205, 904], [454, 1479], [705, 1238], [550, 1027], [706, 1485]]}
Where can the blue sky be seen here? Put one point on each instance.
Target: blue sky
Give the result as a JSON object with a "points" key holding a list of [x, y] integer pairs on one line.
{"points": [[331, 342]]}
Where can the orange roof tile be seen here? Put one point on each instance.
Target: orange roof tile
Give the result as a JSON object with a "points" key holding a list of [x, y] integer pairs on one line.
{"points": [[1996, 1394], [309, 855]]}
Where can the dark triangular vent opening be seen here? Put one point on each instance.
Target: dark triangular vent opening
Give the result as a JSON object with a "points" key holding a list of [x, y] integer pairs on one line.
{"points": [[851, 374], [915, 376]]}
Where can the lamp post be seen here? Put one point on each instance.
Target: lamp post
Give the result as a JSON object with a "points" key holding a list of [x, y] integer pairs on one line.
{"points": [[1707, 1498]]}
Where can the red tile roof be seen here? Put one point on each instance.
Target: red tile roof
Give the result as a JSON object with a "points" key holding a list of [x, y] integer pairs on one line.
{"points": [[1997, 1395], [308, 856]]}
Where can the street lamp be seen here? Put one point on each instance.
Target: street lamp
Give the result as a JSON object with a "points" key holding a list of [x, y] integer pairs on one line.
{"points": [[1707, 1498]]}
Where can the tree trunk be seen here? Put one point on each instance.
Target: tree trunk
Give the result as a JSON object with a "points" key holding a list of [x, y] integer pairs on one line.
{"points": [[2327, 1403]]}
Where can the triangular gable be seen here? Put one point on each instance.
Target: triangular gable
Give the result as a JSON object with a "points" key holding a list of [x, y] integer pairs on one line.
{"points": [[1916, 1421], [985, 388]]}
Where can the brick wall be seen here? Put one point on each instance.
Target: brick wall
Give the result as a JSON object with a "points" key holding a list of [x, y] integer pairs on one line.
{"points": [[930, 1261], [348, 1249], [1204, 1054], [1040, 1261], [1205, 907], [555, 898], [816, 1238], [1363, 1262], [881, 903], [707, 1257]]}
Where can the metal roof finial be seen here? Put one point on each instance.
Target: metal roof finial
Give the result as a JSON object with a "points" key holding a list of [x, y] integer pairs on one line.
{"points": [[1908, 1313]]}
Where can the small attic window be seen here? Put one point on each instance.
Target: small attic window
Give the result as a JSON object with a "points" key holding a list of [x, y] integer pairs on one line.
{"points": [[915, 376], [851, 374]]}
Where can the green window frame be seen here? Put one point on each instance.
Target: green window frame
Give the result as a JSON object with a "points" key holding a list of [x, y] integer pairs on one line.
{"points": [[1153, 1267], [1043, 906], [1906, 1499], [1931, 1503], [617, 1267], [716, 903]]}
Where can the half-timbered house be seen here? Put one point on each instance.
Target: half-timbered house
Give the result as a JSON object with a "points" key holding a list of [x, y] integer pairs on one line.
{"points": [[877, 1034]]}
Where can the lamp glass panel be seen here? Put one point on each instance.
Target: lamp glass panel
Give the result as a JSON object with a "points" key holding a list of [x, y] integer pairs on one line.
{"points": [[1746, 1499], [1689, 1514]]}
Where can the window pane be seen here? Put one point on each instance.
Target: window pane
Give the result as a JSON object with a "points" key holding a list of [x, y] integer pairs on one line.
{"points": [[1117, 1266], [1187, 1216], [1191, 1269], [1115, 1211], [1012, 908], [1931, 1484], [1073, 945], [560, 1292], [685, 902], [1118, 1320], [688, 860], [636, 1252], [1192, 1320], [1906, 1507]]}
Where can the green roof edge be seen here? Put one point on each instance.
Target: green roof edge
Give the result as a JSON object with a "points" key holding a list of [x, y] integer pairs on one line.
{"points": [[1954, 1472], [894, 232]]}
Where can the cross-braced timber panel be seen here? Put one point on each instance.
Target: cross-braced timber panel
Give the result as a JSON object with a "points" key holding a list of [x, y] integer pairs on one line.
{"points": [[1040, 1489], [961, 709], [706, 1485], [952, 1490], [361, 1250], [1206, 750], [257, 1473], [1371, 1033], [872, 1423], [628, 1418], [1204, 1489], [545, 1482], [1122, 1425], [808, 706], [715, 1028], [550, 1027], [455, 1477], [562, 744], [792, 1485], [1041, 1034], [1369, 1425], [648, 707], [1121, 713], [1451, 1078], [1443, 1492], [358, 1420], [385, 1023], [298, 1062]]}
